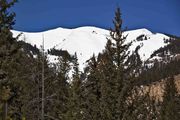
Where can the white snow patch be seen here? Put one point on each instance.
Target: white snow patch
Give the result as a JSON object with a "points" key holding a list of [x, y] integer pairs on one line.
{"points": [[86, 41]]}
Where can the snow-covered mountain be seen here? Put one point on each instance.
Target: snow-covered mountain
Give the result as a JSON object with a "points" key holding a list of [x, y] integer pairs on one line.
{"points": [[86, 41]]}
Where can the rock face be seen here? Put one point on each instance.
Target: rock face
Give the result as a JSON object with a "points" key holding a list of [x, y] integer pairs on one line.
{"points": [[156, 89]]}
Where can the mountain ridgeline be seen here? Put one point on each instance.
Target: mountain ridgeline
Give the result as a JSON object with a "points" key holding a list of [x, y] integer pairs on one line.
{"points": [[86, 41], [87, 73]]}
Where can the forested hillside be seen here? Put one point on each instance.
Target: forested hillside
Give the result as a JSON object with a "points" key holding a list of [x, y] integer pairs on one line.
{"points": [[114, 85]]}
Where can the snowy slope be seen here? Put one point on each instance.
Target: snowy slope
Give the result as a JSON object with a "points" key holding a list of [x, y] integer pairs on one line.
{"points": [[87, 41]]}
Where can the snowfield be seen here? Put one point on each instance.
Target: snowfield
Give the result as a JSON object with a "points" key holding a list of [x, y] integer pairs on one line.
{"points": [[86, 41]]}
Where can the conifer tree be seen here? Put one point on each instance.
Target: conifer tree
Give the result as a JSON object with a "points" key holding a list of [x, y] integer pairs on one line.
{"points": [[62, 87], [7, 49], [119, 73], [170, 105], [91, 92], [74, 104], [32, 104]]}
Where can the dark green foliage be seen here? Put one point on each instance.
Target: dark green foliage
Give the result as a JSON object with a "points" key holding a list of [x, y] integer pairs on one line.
{"points": [[63, 53], [111, 79], [91, 92], [141, 37], [171, 49], [74, 104], [171, 103], [8, 49], [159, 71], [28, 48], [61, 86], [6, 19], [123, 70]]}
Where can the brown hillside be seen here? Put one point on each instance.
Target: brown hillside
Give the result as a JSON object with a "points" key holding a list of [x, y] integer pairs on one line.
{"points": [[156, 89]]}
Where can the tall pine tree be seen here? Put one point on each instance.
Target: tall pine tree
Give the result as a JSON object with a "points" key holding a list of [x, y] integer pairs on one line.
{"points": [[8, 48], [119, 72]]}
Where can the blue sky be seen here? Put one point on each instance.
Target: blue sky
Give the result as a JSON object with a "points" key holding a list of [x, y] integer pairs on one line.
{"points": [[156, 15]]}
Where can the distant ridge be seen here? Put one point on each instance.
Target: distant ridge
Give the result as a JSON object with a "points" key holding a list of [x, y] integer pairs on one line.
{"points": [[88, 40]]}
